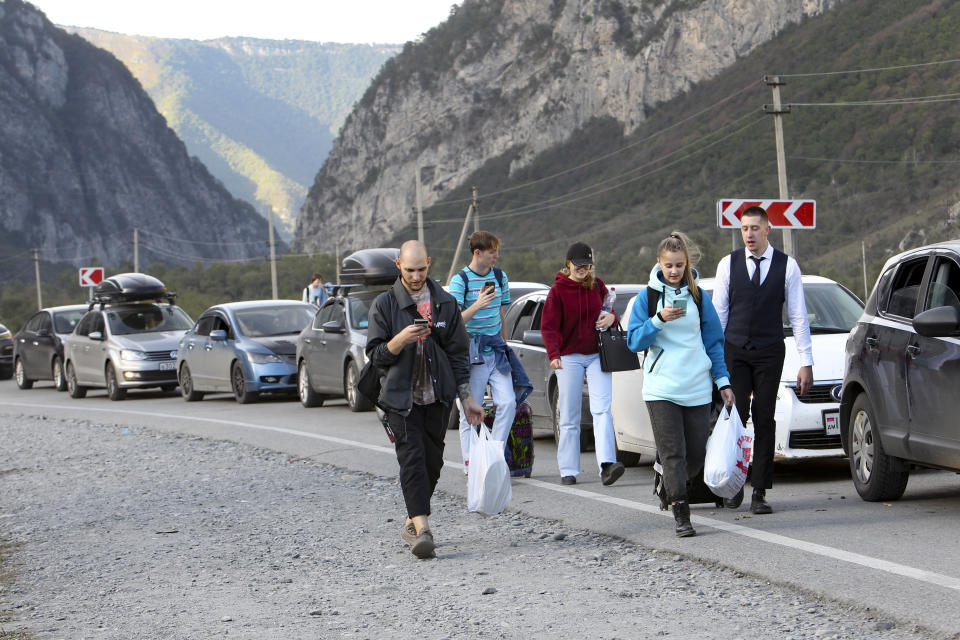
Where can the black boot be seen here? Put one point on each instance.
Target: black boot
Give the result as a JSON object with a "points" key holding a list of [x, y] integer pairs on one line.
{"points": [[758, 503], [681, 513]]}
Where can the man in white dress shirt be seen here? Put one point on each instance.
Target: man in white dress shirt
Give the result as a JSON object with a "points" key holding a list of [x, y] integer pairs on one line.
{"points": [[752, 285]]}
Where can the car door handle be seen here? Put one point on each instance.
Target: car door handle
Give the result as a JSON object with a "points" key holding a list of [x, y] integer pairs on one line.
{"points": [[913, 350], [872, 341]]}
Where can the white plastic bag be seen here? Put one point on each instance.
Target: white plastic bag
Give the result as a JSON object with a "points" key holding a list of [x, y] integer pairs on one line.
{"points": [[488, 477], [729, 449]]}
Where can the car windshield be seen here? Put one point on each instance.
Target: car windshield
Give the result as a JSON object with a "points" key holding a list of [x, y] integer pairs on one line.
{"points": [[147, 318], [261, 322], [65, 321], [830, 308]]}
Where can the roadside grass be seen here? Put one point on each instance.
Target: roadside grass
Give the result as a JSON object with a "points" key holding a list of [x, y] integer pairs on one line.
{"points": [[6, 577]]}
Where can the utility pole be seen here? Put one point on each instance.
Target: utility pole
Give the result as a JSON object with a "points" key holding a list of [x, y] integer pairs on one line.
{"points": [[863, 255], [777, 110], [419, 210], [337, 258], [476, 211], [273, 253], [463, 234], [136, 250], [36, 270]]}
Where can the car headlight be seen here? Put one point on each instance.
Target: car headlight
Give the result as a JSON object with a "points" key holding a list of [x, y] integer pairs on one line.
{"points": [[263, 358], [127, 354]]}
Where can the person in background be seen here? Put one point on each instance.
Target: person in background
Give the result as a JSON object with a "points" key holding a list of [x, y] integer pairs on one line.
{"points": [[570, 319], [315, 293], [483, 293], [416, 340], [752, 285], [684, 343]]}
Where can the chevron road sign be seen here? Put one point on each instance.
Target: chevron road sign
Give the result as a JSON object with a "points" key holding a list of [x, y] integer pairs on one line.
{"points": [[783, 214], [91, 276]]}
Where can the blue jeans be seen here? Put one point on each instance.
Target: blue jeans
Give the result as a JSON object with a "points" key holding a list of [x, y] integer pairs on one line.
{"points": [[570, 388], [504, 398]]}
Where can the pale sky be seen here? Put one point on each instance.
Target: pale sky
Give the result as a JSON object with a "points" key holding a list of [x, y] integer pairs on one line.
{"points": [[354, 21]]}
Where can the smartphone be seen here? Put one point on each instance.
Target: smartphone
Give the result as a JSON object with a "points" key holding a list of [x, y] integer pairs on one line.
{"points": [[680, 304], [421, 322], [489, 284]]}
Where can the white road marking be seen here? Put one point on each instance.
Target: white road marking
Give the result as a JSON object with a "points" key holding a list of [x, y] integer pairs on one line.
{"points": [[895, 568]]}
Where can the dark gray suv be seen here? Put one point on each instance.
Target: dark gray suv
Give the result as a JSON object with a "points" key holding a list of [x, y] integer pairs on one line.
{"points": [[899, 404]]}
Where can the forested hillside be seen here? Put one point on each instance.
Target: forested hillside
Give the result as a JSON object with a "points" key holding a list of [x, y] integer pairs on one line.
{"points": [[260, 114], [873, 137]]}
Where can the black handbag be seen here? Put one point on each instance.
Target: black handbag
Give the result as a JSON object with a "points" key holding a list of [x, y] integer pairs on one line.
{"points": [[368, 383], [615, 355]]}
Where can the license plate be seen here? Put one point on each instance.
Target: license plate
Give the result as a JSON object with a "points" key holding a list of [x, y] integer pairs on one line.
{"points": [[831, 422], [168, 366]]}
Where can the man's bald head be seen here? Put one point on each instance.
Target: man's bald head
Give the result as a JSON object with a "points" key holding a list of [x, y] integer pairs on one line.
{"points": [[413, 263]]}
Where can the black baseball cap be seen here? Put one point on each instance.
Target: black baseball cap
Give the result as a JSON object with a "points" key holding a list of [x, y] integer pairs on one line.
{"points": [[580, 254]]}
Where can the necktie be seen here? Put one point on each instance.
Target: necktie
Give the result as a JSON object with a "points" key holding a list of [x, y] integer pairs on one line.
{"points": [[756, 271]]}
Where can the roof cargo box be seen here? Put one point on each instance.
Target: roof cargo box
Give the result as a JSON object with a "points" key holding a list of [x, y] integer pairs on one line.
{"points": [[130, 287], [370, 267]]}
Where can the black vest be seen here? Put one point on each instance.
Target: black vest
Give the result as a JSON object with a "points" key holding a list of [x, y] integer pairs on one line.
{"points": [[756, 313]]}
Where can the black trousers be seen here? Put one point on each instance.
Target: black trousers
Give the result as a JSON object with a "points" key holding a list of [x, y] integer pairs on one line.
{"points": [[757, 372], [681, 437], [419, 444]]}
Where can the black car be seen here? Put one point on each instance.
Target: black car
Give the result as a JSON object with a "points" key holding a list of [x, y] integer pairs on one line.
{"points": [[6, 353], [899, 404], [38, 347]]}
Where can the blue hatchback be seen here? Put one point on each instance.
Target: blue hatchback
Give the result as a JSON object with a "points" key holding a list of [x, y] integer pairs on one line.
{"points": [[246, 348]]}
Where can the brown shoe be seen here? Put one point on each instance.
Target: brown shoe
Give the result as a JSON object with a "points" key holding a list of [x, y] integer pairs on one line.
{"points": [[423, 546], [409, 533]]}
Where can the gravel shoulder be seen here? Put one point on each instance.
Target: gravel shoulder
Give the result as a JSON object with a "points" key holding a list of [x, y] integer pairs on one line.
{"points": [[111, 531]]}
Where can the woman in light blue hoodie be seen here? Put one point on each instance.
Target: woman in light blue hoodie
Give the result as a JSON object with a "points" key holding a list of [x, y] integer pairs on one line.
{"points": [[684, 361]]}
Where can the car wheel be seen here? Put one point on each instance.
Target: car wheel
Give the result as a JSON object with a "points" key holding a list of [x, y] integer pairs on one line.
{"points": [[22, 380], [114, 390], [239, 384], [59, 378], [356, 401], [186, 385], [628, 458], [76, 391], [586, 437], [876, 475], [308, 397]]}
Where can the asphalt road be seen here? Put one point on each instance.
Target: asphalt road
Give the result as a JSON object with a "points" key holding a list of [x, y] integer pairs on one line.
{"points": [[902, 558]]}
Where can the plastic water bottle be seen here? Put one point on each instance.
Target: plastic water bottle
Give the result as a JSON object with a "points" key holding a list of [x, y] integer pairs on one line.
{"points": [[608, 302]]}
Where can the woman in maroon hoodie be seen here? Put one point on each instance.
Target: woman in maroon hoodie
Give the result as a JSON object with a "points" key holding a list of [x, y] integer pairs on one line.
{"points": [[571, 316]]}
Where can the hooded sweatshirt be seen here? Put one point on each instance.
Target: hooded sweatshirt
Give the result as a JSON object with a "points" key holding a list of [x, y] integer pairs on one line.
{"points": [[569, 317], [683, 362]]}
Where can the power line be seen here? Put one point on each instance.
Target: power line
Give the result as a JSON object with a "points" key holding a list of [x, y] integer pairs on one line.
{"points": [[172, 254], [854, 161], [540, 205], [156, 235], [946, 97], [610, 154], [873, 70]]}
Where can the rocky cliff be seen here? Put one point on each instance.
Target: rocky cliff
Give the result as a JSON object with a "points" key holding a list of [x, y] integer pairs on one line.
{"points": [[517, 76], [85, 158]]}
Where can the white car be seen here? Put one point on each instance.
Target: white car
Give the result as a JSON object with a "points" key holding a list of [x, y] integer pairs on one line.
{"points": [[807, 427]]}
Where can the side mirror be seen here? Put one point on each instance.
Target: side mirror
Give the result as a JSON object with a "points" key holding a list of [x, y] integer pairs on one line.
{"points": [[937, 322], [95, 335], [533, 338], [218, 334], [333, 326], [43, 333]]}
